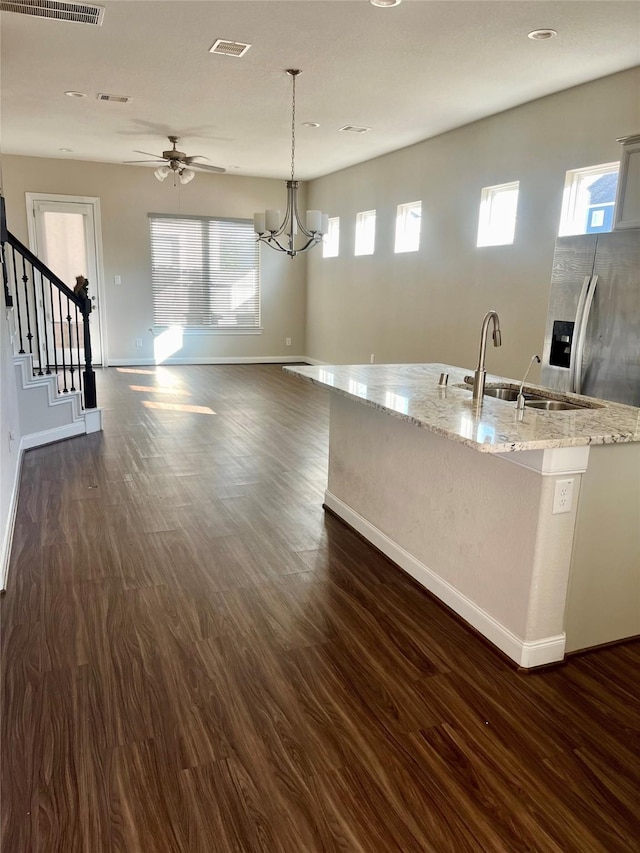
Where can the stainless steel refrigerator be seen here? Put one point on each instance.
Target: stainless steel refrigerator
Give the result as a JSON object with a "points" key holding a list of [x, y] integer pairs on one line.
{"points": [[592, 339]]}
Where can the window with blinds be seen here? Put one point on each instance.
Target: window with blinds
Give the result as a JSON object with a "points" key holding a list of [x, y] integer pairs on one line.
{"points": [[205, 273]]}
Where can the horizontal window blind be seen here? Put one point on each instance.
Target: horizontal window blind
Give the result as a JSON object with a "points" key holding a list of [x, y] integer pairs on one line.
{"points": [[205, 272]]}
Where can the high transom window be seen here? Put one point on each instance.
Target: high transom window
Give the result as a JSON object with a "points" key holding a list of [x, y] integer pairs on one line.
{"points": [[498, 209]]}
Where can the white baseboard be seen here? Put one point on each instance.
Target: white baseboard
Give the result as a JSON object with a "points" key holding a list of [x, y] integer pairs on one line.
{"points": [[249, 359], [7, 534], [525, 654], [313, 361], [48, 436]]}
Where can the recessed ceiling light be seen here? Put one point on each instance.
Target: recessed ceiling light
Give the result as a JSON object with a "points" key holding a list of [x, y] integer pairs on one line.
{"points": [[75, 94], [310, 124], [65, 150], [385, 4], [541, 35]]}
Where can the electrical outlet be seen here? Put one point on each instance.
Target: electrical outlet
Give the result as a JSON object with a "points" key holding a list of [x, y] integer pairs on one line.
{"points": [[138, 342], [562, 496], [117, 279], [372, 358], [287, 342]]}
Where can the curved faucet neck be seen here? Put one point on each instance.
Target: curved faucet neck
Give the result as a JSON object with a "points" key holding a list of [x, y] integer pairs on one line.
{"points": [[490, 316], [479, 376]]}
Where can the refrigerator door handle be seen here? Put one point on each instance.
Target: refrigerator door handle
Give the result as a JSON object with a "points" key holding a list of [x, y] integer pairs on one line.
{"points": [[582, 334], [574, 364]]}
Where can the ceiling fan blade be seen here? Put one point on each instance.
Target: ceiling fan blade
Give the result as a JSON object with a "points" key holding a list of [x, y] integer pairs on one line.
{"points": [[205, 168], [157, 156], [143, 161]]}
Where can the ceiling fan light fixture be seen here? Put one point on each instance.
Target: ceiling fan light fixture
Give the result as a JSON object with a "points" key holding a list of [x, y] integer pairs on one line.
{"points": [[186, 175], [385, 4], [162, 172]]}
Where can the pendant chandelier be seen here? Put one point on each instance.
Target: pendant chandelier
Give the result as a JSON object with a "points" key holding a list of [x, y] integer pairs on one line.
{"points": [[281, 235]]}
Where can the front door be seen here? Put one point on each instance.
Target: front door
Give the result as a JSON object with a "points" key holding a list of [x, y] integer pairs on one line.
{"points": [[64, 237]]}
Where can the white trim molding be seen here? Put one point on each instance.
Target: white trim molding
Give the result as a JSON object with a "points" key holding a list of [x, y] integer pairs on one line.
{"points": [[551, 462], [233, 359], [526, 654], [7, 533]]}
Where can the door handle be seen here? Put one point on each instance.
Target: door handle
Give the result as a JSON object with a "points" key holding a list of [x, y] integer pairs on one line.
{"points": [[582, 334], [573, 363]]}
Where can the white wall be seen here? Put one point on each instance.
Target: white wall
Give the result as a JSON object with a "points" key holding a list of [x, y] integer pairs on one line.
{"points": [[428, 306], [127, 194]]}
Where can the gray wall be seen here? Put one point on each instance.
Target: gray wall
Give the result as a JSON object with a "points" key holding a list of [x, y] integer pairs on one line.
{"points": [[428, 306]]}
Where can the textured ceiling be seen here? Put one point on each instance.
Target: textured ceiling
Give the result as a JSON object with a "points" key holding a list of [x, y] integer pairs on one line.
{"points": [[408, 72]]}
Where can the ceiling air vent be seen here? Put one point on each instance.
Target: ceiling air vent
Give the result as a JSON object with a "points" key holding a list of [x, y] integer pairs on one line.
{"points": [[119, 99], [351, 128], [229, 48], [77, 13]]}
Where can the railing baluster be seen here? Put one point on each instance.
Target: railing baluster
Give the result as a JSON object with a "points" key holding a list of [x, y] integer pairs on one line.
{"points": [[25, 279], [78, 352], [8, 298], [37, 321], [14, 267], [62, 347], [70, 339], [53, 326], [44, 323]]}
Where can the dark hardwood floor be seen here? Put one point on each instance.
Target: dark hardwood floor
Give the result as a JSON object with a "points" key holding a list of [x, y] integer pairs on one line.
{"points": [[196, 658]]}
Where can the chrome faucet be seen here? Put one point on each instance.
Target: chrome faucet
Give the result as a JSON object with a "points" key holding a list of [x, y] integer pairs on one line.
{"points": [[481, 374], [520, 402]]}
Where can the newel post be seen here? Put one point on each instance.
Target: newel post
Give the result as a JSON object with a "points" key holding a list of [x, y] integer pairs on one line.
{"points": [[88, 375]]}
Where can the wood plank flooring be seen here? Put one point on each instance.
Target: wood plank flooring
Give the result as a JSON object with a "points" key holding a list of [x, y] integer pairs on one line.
{"points": [[196, 659]]}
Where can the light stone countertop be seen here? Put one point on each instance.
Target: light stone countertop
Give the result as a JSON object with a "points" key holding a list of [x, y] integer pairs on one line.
{"points": [[411, 392]]}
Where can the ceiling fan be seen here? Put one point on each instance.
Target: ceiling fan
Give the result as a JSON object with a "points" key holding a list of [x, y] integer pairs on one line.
{"points": [[177, 162]]}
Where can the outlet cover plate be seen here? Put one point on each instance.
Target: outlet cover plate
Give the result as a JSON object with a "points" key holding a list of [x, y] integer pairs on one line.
{"points": [[563, 496]]}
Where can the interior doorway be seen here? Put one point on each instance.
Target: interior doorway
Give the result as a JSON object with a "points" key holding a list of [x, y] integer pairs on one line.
{"points": [[64, 232]]}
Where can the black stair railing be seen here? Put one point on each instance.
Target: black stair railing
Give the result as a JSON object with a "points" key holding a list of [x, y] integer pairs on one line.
{"points": [[48, 319]]}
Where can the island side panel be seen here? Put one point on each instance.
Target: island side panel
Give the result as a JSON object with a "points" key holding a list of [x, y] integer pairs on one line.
{"points": [[470, 519], [603, 603]]}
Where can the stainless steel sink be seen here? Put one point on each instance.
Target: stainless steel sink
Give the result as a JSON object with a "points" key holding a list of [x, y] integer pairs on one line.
{"points": [[553, 405], [533, 401], [502, 393]]}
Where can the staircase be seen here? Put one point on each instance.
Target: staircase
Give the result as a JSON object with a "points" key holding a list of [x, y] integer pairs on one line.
{"points": [[55, 381]]}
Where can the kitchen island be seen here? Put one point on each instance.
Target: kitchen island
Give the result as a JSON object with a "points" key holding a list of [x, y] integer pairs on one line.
{"points": [[529, 530]]}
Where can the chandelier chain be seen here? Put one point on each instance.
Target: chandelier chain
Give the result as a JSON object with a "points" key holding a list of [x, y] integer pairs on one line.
{"points": [[293, 126]]}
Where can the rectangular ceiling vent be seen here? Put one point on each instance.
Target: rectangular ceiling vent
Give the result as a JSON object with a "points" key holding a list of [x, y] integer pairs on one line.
{"points": [[229, 48], [119, 99], [351, 128], [77, 13]]}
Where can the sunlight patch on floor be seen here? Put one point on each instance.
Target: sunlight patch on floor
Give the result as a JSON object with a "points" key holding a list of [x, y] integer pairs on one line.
{"points": [[158, 389], [177, 407]]}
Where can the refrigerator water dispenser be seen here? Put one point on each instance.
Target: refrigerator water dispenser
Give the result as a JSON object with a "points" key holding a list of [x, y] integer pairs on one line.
{"points": [[561, 342]]}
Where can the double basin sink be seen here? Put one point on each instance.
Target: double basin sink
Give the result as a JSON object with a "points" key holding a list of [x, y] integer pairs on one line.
{"points": [[532, 400]]}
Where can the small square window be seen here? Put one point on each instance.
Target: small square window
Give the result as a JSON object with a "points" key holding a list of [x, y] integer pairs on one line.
{"points": [[408, 222], [365, 232], [588, 200], [331, 240], [498, 207]]}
